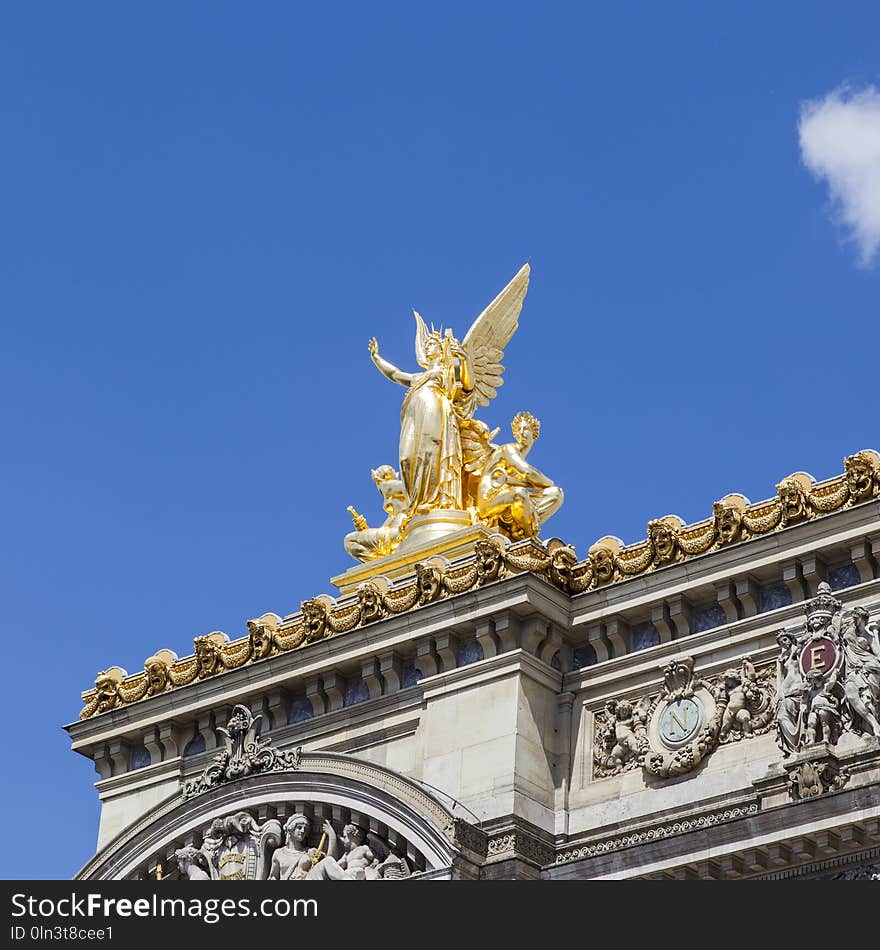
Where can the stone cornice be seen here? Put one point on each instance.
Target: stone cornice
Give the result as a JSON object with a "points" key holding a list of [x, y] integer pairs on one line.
{"points": [[712, 649], [735, 525], [722, 835], [706, 569], [524, 593]]}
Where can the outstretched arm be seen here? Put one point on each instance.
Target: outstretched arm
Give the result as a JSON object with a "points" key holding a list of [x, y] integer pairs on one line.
{"points": [[387, 369], [532, 476]]}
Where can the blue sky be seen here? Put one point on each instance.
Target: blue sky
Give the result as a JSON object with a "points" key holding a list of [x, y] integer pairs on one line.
{"points": [[209, 208]]}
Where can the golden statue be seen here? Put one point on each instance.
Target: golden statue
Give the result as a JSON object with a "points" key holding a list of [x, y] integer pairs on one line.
{"points": [[366, 543], [444, 450], [511, 493]]}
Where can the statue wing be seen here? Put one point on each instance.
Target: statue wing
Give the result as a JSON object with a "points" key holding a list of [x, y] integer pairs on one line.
{"points": [[421, 340], [491, 332], [476, 444]]}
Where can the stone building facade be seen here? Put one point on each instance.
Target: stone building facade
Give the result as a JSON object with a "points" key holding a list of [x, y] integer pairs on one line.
{"points": [[702, 704]]}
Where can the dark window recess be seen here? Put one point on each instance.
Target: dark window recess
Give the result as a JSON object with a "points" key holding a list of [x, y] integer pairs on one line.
{"points": [[644, 635], [301, 710], [847, 575], [138, 758], [468, 653], [708, 618], [772, 598], [356, 692], [583, 656], [194, 746], [411, 676]]}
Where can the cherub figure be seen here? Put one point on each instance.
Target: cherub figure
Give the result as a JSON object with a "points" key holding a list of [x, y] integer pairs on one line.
{"points": [[745, 701], [512, 493], [366, 543], [621, 738], [821, 707], [357, 862]]}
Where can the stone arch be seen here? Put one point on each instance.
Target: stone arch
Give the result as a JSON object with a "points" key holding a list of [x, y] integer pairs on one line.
{"points": [[433, 837]]}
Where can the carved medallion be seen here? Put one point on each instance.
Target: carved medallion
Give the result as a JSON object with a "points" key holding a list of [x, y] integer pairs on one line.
{"points": [[680, 721], [819, 654]]}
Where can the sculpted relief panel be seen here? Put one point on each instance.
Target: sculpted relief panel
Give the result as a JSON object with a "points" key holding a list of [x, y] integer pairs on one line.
{"points": [[670, 732], [236, 847], [826, 682], [828, 675]]}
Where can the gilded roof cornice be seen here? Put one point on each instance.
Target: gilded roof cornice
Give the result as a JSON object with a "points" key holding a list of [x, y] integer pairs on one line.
{"points": [[609, 561]]}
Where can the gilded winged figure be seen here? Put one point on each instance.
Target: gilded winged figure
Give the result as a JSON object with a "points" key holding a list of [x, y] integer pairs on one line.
{"points": [[442, 447], [455, 378]]}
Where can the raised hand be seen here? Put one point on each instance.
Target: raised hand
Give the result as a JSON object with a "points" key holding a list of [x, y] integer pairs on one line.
{"points": [[374, 348]]}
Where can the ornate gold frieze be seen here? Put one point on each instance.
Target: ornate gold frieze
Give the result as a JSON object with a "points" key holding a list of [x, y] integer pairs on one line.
{"points": [[321, 617], [608, 561]]}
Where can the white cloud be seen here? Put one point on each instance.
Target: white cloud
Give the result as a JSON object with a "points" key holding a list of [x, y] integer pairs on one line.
{"points": [[840, 142]]}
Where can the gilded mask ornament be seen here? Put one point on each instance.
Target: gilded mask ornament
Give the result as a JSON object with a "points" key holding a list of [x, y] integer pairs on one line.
{"points": [[728, 515], [314, 618], [156, 668], [488, 560], [862, 474], [793, 493], [663, 535], [562, 561], [602, 557], [370, 599], [261, 635], [209, 653], [429, 581], [107, 685]]}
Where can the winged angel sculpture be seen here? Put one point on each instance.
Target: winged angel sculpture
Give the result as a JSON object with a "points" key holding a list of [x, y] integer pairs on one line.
{"points": [[448, 461]]}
